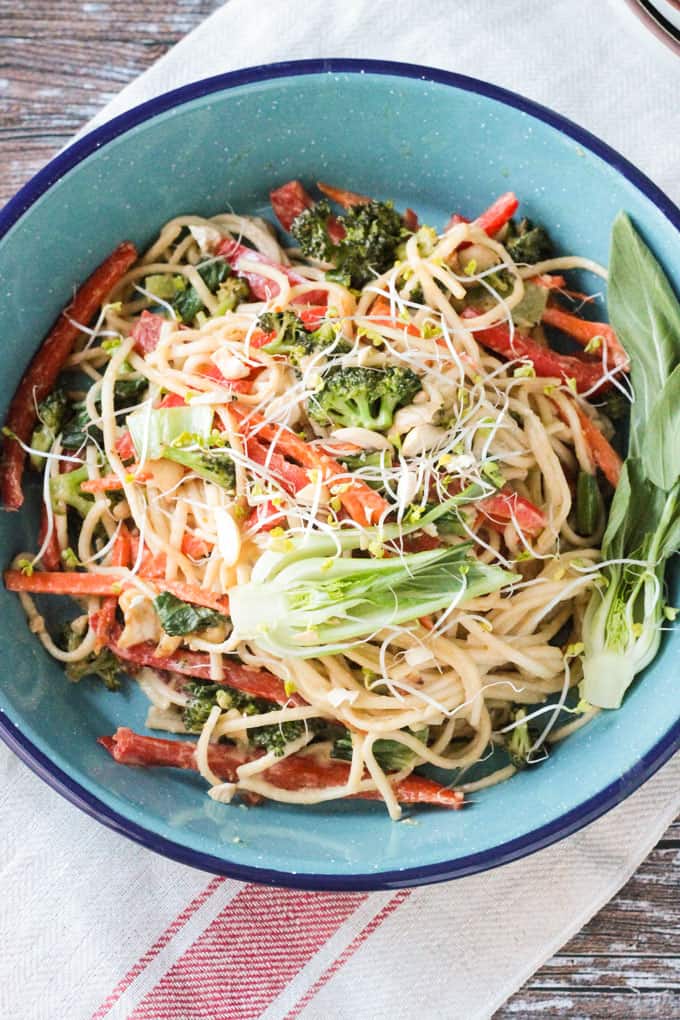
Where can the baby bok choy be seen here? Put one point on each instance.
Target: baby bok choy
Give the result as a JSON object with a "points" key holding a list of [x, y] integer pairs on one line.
{"points": [[622, 625], [314, 598]]}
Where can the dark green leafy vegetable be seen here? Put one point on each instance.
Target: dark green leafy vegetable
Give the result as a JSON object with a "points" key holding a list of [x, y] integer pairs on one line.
{"points": [[52, 413], [364, 397], [78, 428], [178, 617], [187, 303], [204, 696]]}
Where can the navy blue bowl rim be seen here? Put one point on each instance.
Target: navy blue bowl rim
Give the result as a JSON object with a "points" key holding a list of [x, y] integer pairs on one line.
{"points": [[442, 871]]}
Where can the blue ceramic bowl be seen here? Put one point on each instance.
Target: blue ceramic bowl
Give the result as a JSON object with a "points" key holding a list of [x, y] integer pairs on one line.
{"points": [[428, 139]]}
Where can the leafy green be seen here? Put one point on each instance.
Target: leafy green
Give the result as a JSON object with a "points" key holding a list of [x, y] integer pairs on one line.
{"points": [[153, 430], [622, 624], [391, 755], [52, 413], [529, 311], [187, 303], [79, 429], [204, 696], [178, 618], [103, 665]]}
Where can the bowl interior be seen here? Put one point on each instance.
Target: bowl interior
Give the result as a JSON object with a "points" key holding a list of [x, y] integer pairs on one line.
{"points": [[437, 148]]}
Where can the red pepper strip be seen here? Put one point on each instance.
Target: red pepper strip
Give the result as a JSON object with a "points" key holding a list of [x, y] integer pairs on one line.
{"points": [[547, 364], [289, 201], [256, 682], [51, 557], [298, 772], [125, 448], [291, 477], [236, 385], [498, 214], [46, 582], [419, 543], [121, 556], [313, 316], [583, 331], [345, 198], [41, 375], [170, 400], [364, 505], [454, 220], [264, 517], [507, 507], [603, 454], [381, 307], [146, 332], [262, 287]]}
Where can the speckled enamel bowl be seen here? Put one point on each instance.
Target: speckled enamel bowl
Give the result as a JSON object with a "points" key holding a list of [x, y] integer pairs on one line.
{"points": [[428, 139]]}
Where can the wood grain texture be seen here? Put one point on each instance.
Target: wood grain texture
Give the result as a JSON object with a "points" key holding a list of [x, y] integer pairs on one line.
{"points": [[60, 61]]}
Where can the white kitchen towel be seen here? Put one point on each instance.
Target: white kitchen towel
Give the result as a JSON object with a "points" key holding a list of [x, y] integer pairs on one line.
{"points": [[99, 927]]}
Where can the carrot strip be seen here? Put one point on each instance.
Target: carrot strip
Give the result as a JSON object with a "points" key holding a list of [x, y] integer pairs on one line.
{"points": [[603, 454], [112, 483], [381, 307], [343, 197], [121, 556], [67, 582], [362, 503], [297, 772], [583, 331], [505, 507], [41, 375]]}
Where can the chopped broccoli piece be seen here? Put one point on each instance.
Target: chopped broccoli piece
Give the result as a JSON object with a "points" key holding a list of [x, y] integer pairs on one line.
{"points": [[364, 397], [187, 303], [214, 464], [529, 243], [391, 755], [293, 340], [65, 492], [52, 413], [373, 232], [231, 293], [178, 617], [274, 738], [104, 665]]}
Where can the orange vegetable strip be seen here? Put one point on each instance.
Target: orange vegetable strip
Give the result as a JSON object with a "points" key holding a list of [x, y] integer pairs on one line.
{"points": [[41, 375], [583, 331], [112, 483], [381, 307], [343, 197], [601, 451], [67, 582], [297, 772], [121, 556]]}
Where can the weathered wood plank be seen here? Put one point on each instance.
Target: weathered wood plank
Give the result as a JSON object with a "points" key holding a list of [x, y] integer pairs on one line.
{"points": [[576, 1005]]}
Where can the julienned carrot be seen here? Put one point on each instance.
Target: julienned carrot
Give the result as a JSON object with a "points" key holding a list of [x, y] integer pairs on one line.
{"points": [[256, 682], [381, 315], [601, 451], [121, 556], [583, 331], [112, 483], [363, 504], [298, 772], [41, 374], [345, 198]]}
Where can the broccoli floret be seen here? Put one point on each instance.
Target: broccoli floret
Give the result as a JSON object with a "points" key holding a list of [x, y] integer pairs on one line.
{"points": [[203, 696], [231, 293], [373, 232], [65, 492], [103, 665], [293, 340], [164, 285], [216, 465], [364, 397], [310, 230], [52, 413], [529, 243], [519, 741]]}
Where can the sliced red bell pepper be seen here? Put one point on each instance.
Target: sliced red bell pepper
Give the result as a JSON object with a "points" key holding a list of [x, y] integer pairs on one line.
{"points": [[41, 375], [381, 315], [583, 331], [289, 201], [313, 316], [547, 363], [264, 517], [172, 400], [297, 772], [196, 548], [262, 287], [125, 447], [507, 507], [236, 385], [497, 215], [146, 332], [291, 477]]}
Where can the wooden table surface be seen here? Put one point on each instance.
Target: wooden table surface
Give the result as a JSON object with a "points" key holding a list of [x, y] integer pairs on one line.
{"points": [[60, 61]]}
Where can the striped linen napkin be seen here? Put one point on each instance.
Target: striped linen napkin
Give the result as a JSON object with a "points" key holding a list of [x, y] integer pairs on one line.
{"points": [[103, 929]]}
